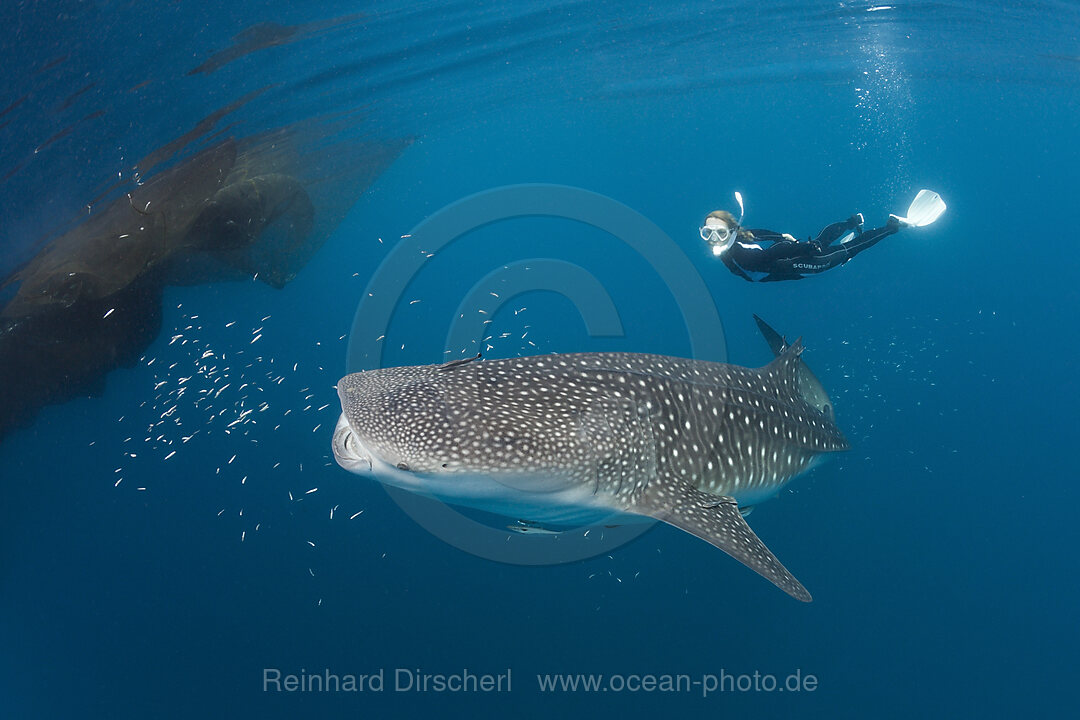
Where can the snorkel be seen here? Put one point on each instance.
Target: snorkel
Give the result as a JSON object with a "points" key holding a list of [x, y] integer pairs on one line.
{"points": [[718, 234]]}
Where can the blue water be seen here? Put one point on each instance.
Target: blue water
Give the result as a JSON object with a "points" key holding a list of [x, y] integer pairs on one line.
{"points": [[940, 549]]}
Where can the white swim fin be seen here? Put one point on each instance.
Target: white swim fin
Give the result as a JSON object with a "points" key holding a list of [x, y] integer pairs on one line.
{"points": [[925, 209]]}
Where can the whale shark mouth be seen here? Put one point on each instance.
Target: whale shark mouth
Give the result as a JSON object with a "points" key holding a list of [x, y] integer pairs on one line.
{"points": [[349, 451]]}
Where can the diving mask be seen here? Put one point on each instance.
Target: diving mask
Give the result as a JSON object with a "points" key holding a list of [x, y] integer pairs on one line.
{"points": [[717, 233]]}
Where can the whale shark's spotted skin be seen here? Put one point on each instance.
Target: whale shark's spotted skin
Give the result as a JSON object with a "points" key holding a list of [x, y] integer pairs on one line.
{"points": [[684, 441]]}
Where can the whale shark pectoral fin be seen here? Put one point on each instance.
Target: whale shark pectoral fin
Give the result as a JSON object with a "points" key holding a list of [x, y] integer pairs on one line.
{"points": [[716, 519]]}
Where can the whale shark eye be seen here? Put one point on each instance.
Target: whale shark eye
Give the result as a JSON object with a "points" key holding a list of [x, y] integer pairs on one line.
{"points": [[402, 466]]}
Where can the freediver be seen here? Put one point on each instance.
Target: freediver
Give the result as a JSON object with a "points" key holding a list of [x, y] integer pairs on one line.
{"points": [[760, 255]]}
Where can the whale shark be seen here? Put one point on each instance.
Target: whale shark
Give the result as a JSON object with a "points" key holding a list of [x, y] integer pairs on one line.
{"points": [[578, 437]]}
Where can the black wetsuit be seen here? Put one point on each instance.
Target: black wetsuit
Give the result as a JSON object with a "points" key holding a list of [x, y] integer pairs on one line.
{"points": [[769, 256]]}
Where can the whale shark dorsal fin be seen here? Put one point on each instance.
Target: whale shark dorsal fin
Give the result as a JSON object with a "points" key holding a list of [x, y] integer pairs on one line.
{"points": [[776, 341], [810, 388], [788, 370], [716, 520]]}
